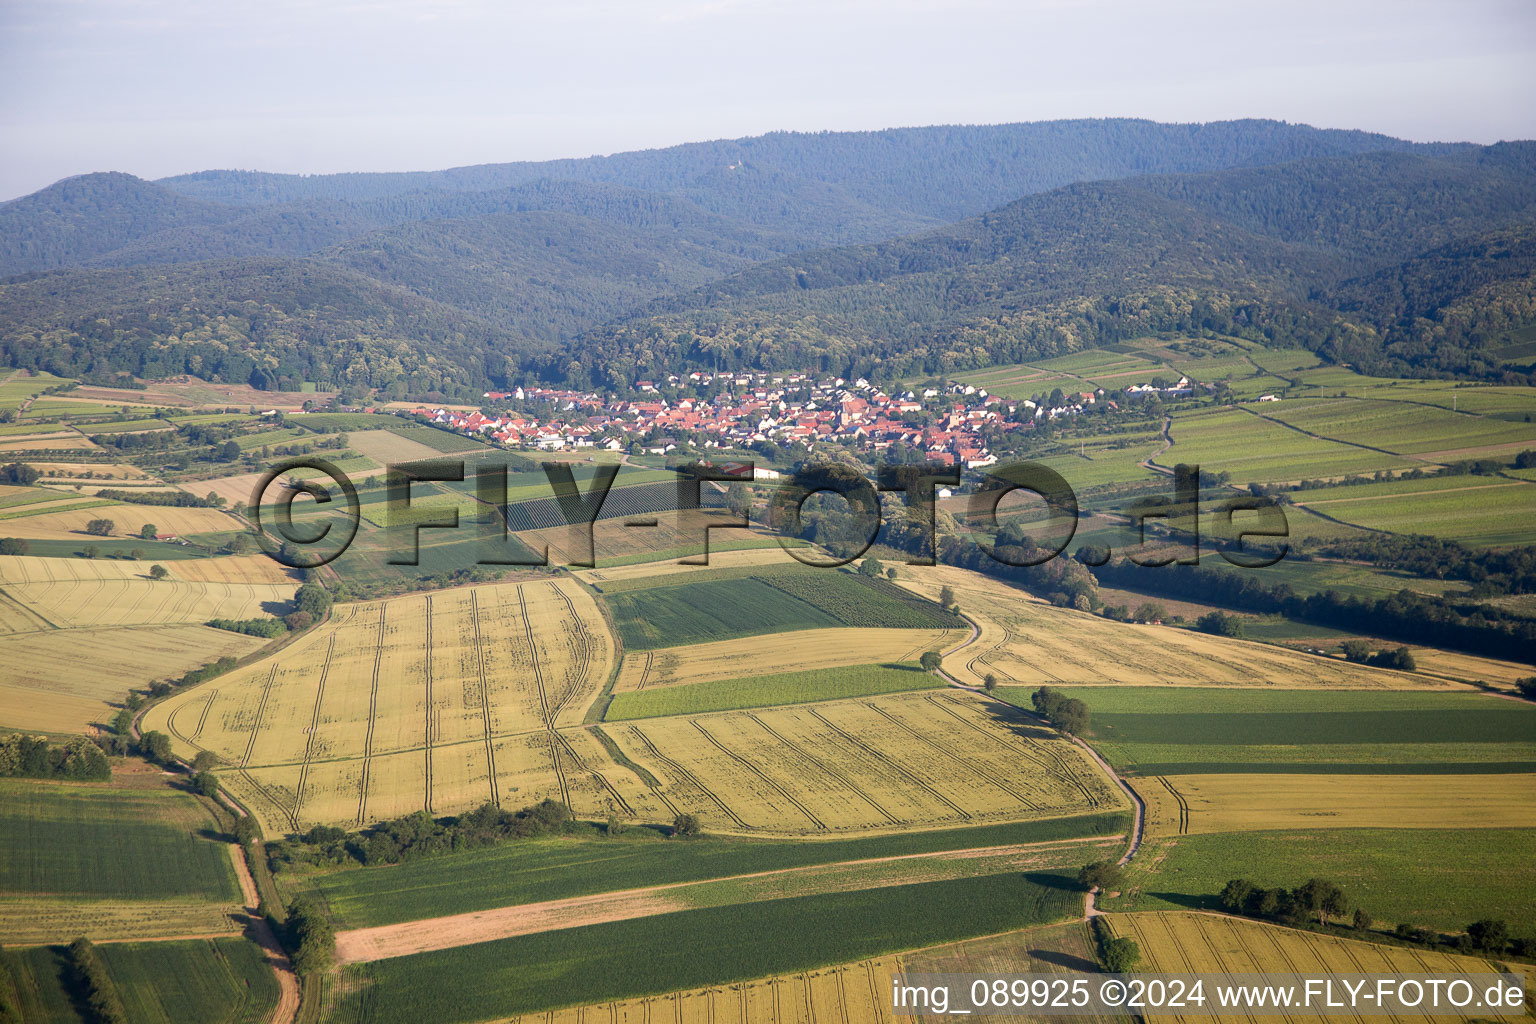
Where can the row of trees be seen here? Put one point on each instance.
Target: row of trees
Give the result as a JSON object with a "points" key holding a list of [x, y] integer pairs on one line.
{"points": [[34, 757], [420, 834]]}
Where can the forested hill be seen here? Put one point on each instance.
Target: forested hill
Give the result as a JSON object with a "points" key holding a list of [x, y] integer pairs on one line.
{"points": [[1270, 252], [939, 173], [974, 245]]}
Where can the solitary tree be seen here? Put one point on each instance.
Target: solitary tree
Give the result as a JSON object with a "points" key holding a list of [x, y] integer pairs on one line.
{"points": [[158, 572], [156, 746], [1526, 686], [204, 760], [1356, 650], [1101, 874], [930, 661], [246, 831], [100, 527], [990, 682], [1121, 955], [1362, 920], [947, 596], [685, 825], [148, 531], [206, 783], [1488, 935]]}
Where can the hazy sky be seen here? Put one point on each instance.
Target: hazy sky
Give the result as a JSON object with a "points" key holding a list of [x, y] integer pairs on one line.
{"points": [[158, 87]]}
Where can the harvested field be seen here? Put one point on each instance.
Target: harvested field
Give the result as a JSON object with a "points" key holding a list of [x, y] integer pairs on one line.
{"points": [[233, 569], [386, 446], [1027, 642], [128, 520], [1234, 802], [70, 604], [1186, 942], [810, 649], [1469, 668], [66, 680]]}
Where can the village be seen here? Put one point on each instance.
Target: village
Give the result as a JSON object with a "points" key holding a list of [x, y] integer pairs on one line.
{"points": [[712, 411]]}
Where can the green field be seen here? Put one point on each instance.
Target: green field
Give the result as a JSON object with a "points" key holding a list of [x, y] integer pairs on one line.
{"points": [[698, 948], [1252, 448], [1165, 730], [546, 869], [770, 690], [724, 609], [105, 841], [218, 981], [1398, 426], [1475, 510], [16, 387], [1438, 878]]}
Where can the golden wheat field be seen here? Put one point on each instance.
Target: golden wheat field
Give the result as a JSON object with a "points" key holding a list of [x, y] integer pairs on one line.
{"points": [[127, 520], [396, 705], [1469, 668], [36, 921], [386, 446], [1182, 942], [356, 722], [891, 762], [1189, 804], [810, 649], [846, 994], [130, 602], [1027, 642], [64, 680], [232, 569]]}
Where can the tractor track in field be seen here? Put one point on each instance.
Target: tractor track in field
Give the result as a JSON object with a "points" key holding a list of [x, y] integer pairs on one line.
{"points": [[583, 654], [599, 777], [261, 710], [485, 693], [847, 783], [1183, 805], [549, 717], [1029, 752], [314, 726], [875, 755], [682, 775], [985, 774], [373, 711], [753, 769]]}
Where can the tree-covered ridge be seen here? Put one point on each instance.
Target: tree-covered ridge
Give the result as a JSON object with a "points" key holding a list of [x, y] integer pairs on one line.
{"points": [[1396, 258], [1255, 253], [940, 172]]}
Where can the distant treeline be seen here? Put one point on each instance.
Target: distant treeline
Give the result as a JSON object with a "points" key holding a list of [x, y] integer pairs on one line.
{"points": [[175, 499], [1405, 616]]}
